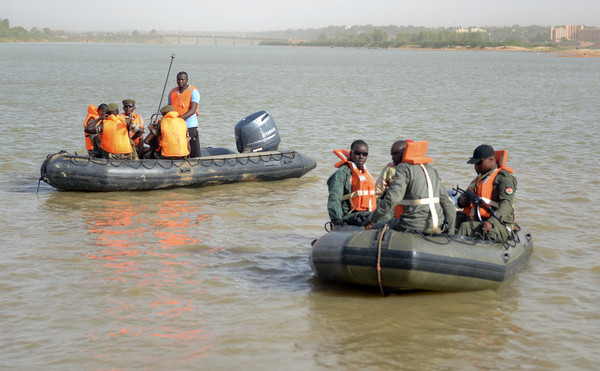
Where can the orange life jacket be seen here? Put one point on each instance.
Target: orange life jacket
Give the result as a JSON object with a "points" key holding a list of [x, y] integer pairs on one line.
{"points": [[182, 101], [91, 114], [114, 137], [362, 197], [137, 119], [173, 136], [414, 154], [484, 186]]}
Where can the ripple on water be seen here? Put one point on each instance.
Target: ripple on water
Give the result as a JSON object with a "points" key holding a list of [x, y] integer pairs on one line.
{"points": [[218, 277]]}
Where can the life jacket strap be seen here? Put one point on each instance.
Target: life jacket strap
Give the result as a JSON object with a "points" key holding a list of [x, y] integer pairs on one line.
{"points": [[435, 227], [420, 201], [490, 202]]}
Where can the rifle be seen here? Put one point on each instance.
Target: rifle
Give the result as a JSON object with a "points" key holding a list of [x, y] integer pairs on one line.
{"points": [[476, 201]]}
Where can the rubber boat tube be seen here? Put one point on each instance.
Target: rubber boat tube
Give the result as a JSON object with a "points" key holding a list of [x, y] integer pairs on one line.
{"points": [[415, 261], [70, 172]]}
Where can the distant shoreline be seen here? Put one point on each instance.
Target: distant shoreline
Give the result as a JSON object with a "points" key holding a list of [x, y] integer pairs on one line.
{"points": [[565, 53], [572, 53]]}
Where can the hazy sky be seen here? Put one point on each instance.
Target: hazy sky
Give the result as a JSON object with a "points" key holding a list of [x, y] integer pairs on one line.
{"points": [[267, 15]]}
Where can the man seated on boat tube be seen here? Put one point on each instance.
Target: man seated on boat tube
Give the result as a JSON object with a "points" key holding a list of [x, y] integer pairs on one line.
{"points": [[386, 177], [351, 188], [495, 188], [113, 135], [95, 115], [417, 195], [172, 134], [129, 114]]}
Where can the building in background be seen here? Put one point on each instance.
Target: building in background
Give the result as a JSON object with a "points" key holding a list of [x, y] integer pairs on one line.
{"points": [[574, 33]]}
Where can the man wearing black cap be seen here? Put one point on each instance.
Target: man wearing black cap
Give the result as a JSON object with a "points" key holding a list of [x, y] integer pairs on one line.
{"points": [[495, 186]]}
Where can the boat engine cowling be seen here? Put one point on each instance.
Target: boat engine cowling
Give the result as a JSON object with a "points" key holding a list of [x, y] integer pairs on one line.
{"points": [[257, 133]]}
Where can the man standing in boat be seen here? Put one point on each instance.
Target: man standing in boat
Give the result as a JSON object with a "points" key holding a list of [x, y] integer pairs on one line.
{"points": [[113, 134], [185, 99], [351, 187], [417, 197], [492, 216]]}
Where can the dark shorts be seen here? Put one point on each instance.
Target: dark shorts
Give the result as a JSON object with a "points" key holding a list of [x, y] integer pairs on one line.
{"points": [[194, 142]]}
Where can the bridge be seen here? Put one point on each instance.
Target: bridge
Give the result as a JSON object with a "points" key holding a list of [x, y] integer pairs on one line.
{"points": [[184, 39]]}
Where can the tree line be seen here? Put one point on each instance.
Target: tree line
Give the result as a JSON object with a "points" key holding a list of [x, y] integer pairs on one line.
{"points": [[436, 38], [12, 34], [366, 36]]}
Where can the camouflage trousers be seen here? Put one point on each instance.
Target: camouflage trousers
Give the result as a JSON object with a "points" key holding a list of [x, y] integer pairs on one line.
{"points": [[100, 152], [500, 232]]}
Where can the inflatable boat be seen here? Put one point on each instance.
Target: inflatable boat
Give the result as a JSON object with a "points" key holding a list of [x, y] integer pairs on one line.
{"points": [[258, 159], [393, 260]]}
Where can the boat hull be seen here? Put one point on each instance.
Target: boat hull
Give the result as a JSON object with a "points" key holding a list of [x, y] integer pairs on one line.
{"points": [[69, 172], [416, 262]]}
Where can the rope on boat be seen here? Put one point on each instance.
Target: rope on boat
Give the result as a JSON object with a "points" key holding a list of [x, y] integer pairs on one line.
{"points": [[447, 237], [379, 260], [167, 164], [514, 237], [170, 163]]}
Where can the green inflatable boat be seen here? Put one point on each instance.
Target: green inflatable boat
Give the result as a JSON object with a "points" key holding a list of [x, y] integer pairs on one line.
{"points": [[410, 261]]}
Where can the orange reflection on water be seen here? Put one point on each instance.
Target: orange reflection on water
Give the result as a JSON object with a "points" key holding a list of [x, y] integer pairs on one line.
{"points": [[173, 307], [170, 240], [146, 249], [125, 231]]}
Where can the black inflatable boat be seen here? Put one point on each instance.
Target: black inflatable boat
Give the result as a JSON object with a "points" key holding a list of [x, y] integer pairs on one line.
{"points": [[405, 260], [259, 159]]}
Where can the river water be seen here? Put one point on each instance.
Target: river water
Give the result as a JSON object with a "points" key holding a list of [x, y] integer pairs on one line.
{"points": [[219, 278]]}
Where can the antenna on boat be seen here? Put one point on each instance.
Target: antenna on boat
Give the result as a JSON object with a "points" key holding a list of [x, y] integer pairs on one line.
{"points": [[167, 79]]}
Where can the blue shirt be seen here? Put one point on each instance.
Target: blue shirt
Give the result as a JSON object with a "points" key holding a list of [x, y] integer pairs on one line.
{"points": [[192, 121]]}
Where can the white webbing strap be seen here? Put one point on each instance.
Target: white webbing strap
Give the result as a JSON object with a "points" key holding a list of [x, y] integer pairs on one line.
{"points": [[419, 201], [360, 192], [430, 200], [490, 202]]}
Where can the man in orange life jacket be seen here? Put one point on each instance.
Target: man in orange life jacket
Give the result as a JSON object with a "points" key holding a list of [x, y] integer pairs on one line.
{"points": [[113, 134], [172, 134], [95, 114], [496, 186], [185, 99], [128, 111], [417, 188], [351, 187]]}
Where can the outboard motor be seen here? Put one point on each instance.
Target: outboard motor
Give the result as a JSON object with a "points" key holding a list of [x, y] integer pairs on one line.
{"points": [[257, 133]]}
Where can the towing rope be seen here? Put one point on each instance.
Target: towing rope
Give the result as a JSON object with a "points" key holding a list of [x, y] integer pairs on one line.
{"points": [[379, 260], [167, 164]]}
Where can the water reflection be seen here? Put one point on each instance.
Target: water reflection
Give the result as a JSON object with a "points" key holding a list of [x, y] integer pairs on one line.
{"points": [[458, 329], [140, 254]]}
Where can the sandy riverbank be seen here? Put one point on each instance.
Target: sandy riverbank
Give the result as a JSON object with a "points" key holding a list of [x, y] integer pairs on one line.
{"points": [[576, 53], [573, 53]]}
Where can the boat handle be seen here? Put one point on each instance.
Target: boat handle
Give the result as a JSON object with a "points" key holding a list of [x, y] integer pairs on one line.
{"points": [[184, 170]]}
